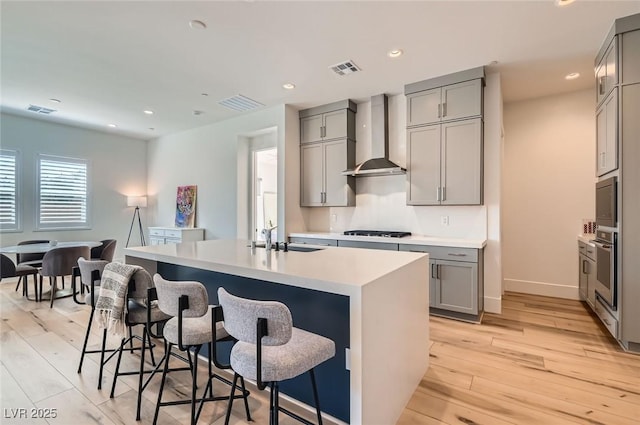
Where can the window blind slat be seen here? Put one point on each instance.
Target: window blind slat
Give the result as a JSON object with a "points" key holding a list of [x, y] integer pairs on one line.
{"points": [[8, 192], [63, 196]]}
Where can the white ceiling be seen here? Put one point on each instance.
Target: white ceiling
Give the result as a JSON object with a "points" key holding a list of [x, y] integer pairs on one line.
{"points": [[108, 61]]}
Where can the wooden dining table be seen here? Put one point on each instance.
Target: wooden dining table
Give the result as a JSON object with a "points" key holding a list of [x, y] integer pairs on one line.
{"points": [[43, 248]]}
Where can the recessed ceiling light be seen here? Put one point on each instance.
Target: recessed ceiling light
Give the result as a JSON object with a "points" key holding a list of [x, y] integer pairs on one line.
{"points": [[395, 53], [289, 86], [55, 100], [197, 25], [148, 112], [111, 125], [564, 2], [572, 76]]}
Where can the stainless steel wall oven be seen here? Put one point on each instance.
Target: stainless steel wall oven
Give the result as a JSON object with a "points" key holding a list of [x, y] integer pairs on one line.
{"points": [[606, 202], [606, 277]]}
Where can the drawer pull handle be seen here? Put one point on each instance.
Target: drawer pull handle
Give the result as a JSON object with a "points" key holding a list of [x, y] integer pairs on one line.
{"points": [[456, 254]]}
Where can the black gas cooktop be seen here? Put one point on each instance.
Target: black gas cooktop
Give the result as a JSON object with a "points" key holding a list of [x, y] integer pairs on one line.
{"points": [[382, 233]]}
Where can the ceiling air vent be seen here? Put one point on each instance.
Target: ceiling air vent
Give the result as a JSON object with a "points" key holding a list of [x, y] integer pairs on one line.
{"points": [[240, 103], [40, 109], [345, 68]]}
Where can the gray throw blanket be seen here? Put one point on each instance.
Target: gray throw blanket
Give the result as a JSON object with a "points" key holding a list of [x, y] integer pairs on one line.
{"points": [[111, 304]]}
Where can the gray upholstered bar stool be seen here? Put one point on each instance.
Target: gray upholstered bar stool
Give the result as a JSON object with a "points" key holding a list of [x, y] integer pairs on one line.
{"points": [[192, 327], [91, 275], [270, 349]]}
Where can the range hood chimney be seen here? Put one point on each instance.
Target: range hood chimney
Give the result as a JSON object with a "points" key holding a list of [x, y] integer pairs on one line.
{"points": [[379, 164]]}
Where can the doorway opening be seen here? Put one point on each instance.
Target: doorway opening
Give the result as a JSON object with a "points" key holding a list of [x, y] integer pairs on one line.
{"points": [[265, 191]]}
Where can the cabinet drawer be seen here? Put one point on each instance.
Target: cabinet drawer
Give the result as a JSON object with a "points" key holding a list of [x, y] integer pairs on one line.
{"points": [[173, 233], [607, 318], [314, 241], [156, 232], [369, 245], [582, 248], [444, 253]]}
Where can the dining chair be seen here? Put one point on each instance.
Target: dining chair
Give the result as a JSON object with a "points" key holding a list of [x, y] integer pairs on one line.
{"points": [[59, 262], [104, 251], [9, 269], [30, 259]]}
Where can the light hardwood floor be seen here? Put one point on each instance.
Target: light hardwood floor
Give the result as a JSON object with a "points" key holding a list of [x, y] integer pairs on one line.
{"points": [[544, 361]]}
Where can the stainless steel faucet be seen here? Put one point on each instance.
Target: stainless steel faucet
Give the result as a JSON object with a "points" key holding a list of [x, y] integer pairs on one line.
{"points": [[266, 233]]}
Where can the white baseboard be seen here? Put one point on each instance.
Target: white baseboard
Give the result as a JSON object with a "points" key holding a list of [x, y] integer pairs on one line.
{"points": [[542, 288], [493, 305]]}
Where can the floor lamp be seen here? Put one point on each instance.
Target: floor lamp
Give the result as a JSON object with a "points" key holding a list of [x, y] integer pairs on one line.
{"points": [[136, 201]]}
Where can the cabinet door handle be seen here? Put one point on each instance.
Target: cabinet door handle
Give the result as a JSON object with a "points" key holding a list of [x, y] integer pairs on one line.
{"points": [[439, 110], [443, 193], [455, 254], [433, 275], [438, 193], [323, 131], [438, 271], [444, 109], [601, 85], [584, 267]]}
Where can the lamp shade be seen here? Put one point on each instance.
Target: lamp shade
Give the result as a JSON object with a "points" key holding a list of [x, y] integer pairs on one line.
{"points": [[137, 201]]}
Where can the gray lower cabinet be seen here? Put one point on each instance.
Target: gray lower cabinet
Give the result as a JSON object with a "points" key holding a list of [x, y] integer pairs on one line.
{"points": [[456, 287], [587, 273], [369, 245], [314, 241]]}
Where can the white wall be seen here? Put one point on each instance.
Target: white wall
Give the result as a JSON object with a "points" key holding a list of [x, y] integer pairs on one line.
{"points": [[212, 158], [117, 169], [493, 164], [549, 160]]}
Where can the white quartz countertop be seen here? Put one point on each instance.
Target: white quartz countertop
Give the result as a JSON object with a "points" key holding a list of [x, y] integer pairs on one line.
{"points": [[332, 269], [586, 238], [411, 240]]}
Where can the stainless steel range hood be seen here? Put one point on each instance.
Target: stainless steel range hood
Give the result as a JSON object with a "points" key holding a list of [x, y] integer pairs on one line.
{"points": [[379, 164]]}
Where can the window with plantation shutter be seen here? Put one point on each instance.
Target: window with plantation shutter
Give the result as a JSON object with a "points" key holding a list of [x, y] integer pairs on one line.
{"points": [[9, 205], [63, 197]]}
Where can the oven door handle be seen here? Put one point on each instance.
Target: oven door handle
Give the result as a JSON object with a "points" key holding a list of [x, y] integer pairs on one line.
{"points": [[602, 245]]}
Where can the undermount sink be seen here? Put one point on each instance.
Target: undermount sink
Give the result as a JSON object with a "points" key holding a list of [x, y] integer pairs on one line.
{"points": [[303, 248]]}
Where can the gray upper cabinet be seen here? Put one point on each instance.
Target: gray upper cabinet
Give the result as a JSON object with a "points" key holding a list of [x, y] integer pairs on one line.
{"points": [[606, 72], [448, 103], [444, 139], [444, 164], [607, 135], [321, 181], [327, 148], [328, 122]]}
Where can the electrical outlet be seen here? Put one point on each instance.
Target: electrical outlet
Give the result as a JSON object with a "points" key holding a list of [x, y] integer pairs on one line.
{"points": [[444, 220]]}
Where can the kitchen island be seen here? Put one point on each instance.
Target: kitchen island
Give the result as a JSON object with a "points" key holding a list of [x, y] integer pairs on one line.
{"points": [[373, 304]]}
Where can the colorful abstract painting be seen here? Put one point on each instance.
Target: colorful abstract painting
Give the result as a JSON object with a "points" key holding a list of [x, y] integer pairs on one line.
{"points": [[186, 206]]}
